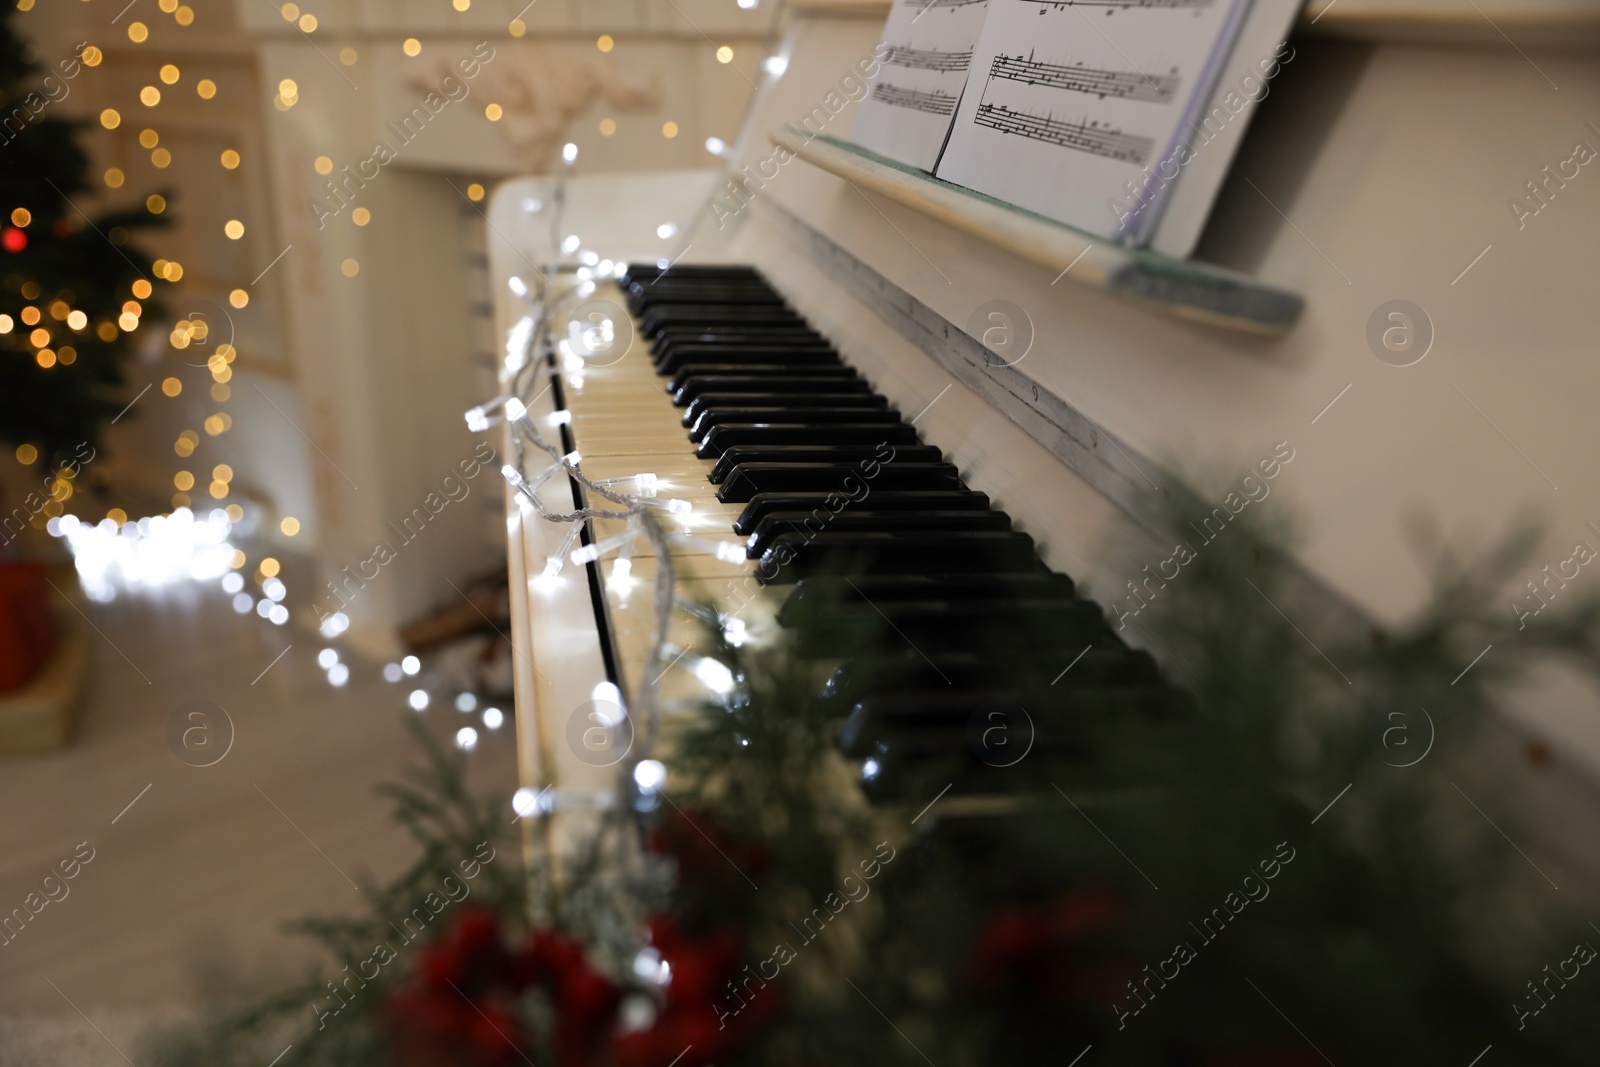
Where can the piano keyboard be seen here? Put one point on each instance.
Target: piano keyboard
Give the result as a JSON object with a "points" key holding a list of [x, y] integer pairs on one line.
{"points": [[939, 638]]}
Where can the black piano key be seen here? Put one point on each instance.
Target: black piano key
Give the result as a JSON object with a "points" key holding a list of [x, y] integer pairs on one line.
{"points": [[755, 371], [857, 454], [797, 380], [793, 556], [763, 504], [956, 625], [955, 722], [814, 594], [850, 520], [715, 315], [748, 479], [817, 418], [647, 272], [799, 403], [725, 337], [1108, 664], [683, 355], [790, 432]]}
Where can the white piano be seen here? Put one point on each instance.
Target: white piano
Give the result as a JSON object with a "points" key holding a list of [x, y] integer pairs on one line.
{"points": [[1382, 167]]}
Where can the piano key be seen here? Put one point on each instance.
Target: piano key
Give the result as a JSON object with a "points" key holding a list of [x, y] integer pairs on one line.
{"points": [[793, 432], [732, 457], [764, 504], [714, 314], [681, 356], [817, 594], [748, 479], [850, 520], [686, 375], [799, 402], [954, 626], [1107, 665], [815, 418], [823, 380], [793, 556]]}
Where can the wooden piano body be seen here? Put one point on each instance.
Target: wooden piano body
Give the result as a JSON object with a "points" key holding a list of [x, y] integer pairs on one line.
{"points": [[1383, 166]]}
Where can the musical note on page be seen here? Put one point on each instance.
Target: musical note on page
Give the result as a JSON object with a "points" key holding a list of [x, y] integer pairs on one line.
{"points": [[1070, 104], [926, 60]]}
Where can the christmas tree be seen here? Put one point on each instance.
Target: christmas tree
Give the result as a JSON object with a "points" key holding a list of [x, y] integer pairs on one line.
{"points": [[73, 286]]}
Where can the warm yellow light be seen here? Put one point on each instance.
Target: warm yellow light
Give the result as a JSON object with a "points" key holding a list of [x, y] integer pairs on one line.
{"points": [[138, 32], [493, 112], [608, 126], [77, 321], [724, 54], [45, 358], [605, 42], [149, 138], [238, 298], [110, 119], [106, 331], [219, 490], [269, 567], [21, 217], [171, 386], [142, 289], [161, 158], [222, 374], [461, 5], [149, 96], [128, 322], [92, 56], [322, 165], [59, 310], [669, 130], [169, 6], [180, 500], [26, 454], [518, 28], [288, 89], [290, 525], [474, 192], [7, 324], [67, 355], [234, 229], [114, 178], [411, 47], [174, 271], [360, 216], [30, 316], [118, 516], [213, 425], [239, 558], [39, 338], [206, 88], [290, 12], [308, 23], [350, 268], [169, 74], [230, 158], [183, 480], [220, 392], [222, 473], [184, 15], [133, 308], [156, 203], [348, 56]]}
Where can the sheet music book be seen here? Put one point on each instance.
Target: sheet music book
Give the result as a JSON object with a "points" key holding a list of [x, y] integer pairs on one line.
{"points": [[912, 99], [1117, 117]]}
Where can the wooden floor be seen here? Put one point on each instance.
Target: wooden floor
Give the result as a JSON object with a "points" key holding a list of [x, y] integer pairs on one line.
{"points": [[195, 866]]}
